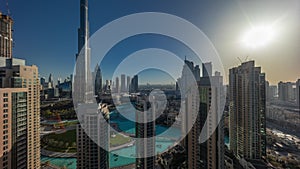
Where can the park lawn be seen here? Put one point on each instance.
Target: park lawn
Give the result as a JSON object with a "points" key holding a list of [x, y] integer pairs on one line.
{"points": [[119, 140], [68, 136]]}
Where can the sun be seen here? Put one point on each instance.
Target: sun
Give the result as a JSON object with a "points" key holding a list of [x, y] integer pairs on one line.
{"points": [[259, 36]]}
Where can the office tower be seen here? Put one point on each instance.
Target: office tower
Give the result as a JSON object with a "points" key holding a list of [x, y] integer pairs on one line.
{"points": [[50, 81], [123, 85], [43, 81], [212, 100], [134, 86], [98, 80], [117, 87], [93, 138], [197, 73], [145, 128], [128, 83], [22, 76], [207, 69], [6, 40], [13, 127], [247, 111]]}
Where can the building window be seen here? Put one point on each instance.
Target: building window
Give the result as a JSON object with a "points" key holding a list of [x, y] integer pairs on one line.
{"points": [[5, 94], [5, 100]]}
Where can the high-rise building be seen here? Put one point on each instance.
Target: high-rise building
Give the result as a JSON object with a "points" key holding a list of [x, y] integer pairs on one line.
{"points": [[117, 87], [123, 85], [247, 111], [92, 132], [134, 86], [197, 73], [145, 132], [50, 81], [271, 91], [98, 80], [13, 127], [286, 91], [22, 76], [212, 100], [128, 83], [207, 69], [6, 40], [205, 108], [93, 138]]}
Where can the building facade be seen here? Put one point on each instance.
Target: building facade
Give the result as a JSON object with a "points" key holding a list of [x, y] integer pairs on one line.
{"points": [[145, 128], [247, 111], [22, 76], [6, 40], [13, 126]]}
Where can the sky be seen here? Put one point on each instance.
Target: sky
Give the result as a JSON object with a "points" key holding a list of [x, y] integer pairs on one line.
{"points": [[45, 32]]}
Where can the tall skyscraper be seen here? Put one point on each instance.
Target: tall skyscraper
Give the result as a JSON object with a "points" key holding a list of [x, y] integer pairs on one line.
{"points": [[50, 81], [83, 77], [134, 86], [94, 132], [247, 111], [123, 85], [6, 40], [13, 127], [207, 69], [145, 128], [205, 108], [22, 76], [98, 80], [128, 83], [212, 100], [117, 87], [93, 139]]}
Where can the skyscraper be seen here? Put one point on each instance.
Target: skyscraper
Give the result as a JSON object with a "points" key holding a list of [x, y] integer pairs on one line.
{"points": [[92, 132], [145, 128], [83, 77], [247, 111], [134, 86], [93, 138], [22, 76], [117, 87], [128, 83], [50, 81], [98, 80], [212, 99], [13, 127], [205, 108], [207, 69], [6, 40], [123, 85]]}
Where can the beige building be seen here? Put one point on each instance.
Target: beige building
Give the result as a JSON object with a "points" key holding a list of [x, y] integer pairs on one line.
{"points": [[6, 40], [13, 127], [22, 76]]}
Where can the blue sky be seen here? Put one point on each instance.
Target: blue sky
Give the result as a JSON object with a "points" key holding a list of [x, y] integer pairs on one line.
{"points": [[45, 32]]}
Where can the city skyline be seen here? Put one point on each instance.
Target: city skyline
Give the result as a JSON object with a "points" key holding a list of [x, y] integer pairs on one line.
{"points": [[63, 42]]}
